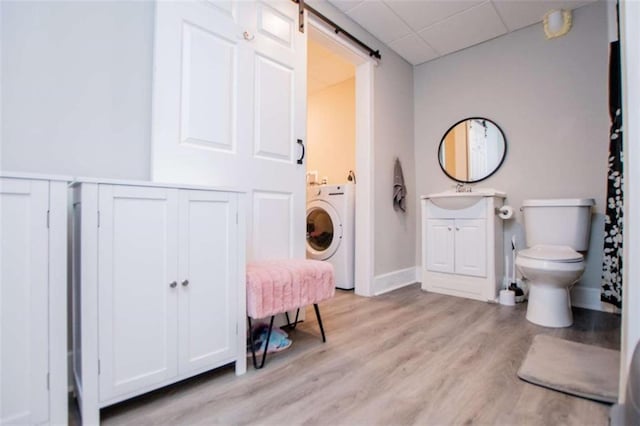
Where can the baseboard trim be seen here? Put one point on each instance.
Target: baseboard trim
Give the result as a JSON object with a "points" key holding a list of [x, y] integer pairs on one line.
{"points": [[394, 280], [588, 298]]}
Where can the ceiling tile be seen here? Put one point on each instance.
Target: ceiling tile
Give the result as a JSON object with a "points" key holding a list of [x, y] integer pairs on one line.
{"points": [[413, 49], [518, 14], [421, 14], [378, 19], [465, 29], [345, 5]]}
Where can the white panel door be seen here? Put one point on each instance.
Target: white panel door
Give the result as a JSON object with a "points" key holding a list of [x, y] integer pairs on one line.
{"points": [[230, 106], [24, 296], [195, 92], [208, 240], [471, 247], [440, 245], [137, 287]]}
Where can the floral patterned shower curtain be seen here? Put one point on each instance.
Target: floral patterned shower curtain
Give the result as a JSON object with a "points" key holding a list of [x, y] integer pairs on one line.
{"points": [[612, 265]]}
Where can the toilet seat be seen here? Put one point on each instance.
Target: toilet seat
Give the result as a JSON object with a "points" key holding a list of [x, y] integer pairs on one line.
{"points": [[540, 265], [552, 253]]}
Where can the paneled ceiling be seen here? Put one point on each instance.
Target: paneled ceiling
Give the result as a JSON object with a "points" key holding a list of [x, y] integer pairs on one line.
{"points": [[422, 30]]}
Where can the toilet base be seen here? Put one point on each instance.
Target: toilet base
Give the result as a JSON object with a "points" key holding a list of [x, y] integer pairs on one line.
{"points": [[549, 305]]}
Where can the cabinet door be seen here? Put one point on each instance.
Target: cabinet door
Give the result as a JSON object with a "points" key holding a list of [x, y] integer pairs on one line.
{"points": [[208, 281], [471, 247], [440, 245], [137, 263], [24, 290]]}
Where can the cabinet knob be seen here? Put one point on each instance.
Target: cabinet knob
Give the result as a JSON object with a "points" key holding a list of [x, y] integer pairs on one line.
{"points": [[457, 229], [449, 228], [173, 284], [185, 283]]}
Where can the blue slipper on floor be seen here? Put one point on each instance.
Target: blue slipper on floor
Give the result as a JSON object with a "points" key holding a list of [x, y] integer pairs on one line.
{"points": [[278, 340]]}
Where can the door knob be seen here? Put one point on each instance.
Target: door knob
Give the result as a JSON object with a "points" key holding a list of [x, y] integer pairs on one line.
{"points": [[173, 284], [185, 283]]}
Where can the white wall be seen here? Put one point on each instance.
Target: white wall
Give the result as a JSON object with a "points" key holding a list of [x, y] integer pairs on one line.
{"points": [[550, 99], [76, 83], [331, 131]]}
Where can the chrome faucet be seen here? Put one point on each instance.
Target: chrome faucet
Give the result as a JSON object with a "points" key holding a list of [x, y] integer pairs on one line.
{"points": [[461, 187]]}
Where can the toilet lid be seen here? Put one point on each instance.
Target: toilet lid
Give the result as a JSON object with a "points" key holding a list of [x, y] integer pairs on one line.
{"points": [[552, 253]]}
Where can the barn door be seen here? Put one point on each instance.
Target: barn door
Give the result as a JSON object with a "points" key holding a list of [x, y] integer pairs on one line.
{"points": [[229, 107]]}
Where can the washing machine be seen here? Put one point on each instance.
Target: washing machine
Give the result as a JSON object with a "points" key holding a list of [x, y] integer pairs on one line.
{"points": [[331, 229]]}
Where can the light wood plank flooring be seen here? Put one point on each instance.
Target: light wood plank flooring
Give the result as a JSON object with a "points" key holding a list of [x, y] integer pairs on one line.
{"points": [[406, 357]]}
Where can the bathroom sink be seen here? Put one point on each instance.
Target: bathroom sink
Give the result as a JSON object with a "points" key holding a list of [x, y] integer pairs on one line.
{"points": [[453, 200]]}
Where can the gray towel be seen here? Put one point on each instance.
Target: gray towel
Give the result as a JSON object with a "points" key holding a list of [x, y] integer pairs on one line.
{"points": [[399, 190]]}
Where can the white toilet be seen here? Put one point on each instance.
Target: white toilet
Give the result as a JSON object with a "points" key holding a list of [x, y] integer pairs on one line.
{"points": [[556, 230]]}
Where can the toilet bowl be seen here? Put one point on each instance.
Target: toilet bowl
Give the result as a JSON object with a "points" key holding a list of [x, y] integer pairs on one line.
{"points": [[550, 271], [556, 231]]}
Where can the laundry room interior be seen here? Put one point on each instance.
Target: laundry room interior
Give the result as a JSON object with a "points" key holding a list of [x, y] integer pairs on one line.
{"points": [[330, 174], [331, 120]]}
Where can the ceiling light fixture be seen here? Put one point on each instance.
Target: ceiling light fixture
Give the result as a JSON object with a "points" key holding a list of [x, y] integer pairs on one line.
{"points": [[556, 23]]}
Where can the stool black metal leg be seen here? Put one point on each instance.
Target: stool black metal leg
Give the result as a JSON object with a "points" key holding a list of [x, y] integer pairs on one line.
{"points": [[251, 342], [315, 306], [289, 326], [253, 346]]}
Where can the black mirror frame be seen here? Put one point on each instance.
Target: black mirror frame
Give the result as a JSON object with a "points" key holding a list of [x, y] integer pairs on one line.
{"points": [[504, 155]]}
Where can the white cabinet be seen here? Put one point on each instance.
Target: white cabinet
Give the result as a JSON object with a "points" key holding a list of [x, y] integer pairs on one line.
{"points": [[33, 299], [457, 246], [462, 249], [165, 288]]}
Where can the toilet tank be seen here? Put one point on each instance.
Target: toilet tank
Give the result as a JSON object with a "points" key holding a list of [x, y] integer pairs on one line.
{"points": [[558, 222]]}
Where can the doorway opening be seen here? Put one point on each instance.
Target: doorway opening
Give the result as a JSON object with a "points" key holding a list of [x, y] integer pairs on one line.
{"points": [[340, 91]]}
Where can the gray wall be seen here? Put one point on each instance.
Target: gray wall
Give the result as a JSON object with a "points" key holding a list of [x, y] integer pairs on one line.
{"points": [[76, 81], [550, 99], [395, 231]]}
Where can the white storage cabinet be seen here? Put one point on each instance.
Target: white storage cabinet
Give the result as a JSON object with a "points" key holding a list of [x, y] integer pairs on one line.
{"points": [[462, 249], [33, 299], [159, 293]]}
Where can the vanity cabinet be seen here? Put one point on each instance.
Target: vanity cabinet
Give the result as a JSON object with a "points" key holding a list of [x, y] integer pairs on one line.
{"points": [[462, 247], [158, 288], [33, 299], [457, 246]]}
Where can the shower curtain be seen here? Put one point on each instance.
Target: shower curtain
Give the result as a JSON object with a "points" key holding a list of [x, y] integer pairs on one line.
{"points": [[612, 265]]}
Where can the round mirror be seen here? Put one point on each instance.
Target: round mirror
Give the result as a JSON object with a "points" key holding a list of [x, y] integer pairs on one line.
{"points": [[472, 150]]}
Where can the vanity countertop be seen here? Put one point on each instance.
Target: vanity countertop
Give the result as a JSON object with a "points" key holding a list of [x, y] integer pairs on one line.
{"points": [[479, 192]]}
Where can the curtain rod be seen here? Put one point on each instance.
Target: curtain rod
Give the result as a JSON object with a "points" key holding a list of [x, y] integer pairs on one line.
{"points": [[336, 28]]}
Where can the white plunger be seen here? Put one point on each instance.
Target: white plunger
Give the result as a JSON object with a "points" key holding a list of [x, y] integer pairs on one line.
{"points": [[514, 283], [513, 259], [507, 297]]}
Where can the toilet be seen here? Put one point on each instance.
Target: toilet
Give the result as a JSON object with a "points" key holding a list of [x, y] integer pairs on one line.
{"points": [[556, 231]]}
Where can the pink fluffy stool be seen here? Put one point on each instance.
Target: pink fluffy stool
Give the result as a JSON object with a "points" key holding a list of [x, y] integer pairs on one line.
{"points": [[278, 286]]}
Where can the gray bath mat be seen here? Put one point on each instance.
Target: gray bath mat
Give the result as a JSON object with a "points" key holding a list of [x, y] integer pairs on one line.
{"points": [[574, 368]]}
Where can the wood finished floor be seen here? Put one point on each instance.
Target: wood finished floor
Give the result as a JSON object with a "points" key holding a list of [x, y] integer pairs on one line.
{"points": [[406, 357]]}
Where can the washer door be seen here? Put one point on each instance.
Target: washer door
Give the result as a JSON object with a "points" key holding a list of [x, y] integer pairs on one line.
{"points": [[324, 230]]}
